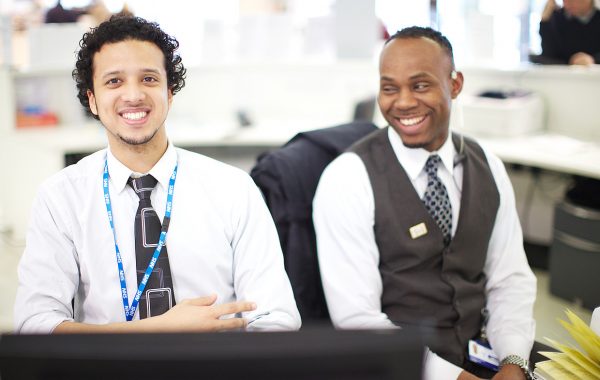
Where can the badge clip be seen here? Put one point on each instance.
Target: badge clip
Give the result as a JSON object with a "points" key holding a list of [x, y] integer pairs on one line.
{"points": [[418, 230]]}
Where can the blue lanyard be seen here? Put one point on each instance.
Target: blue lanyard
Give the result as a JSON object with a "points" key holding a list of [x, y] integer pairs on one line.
{"points": [[130, 310]]}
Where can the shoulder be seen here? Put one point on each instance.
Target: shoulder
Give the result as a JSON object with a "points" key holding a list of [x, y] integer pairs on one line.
{"points": [[559, 15], [78, 175], [494, 162], [200, 165], [344, 175], [346, 165], [365, 144], [209, 174]]}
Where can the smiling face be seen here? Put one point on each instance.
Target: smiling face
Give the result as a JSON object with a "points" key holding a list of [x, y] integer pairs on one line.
{"points": [[416, 91], [131, 96]]}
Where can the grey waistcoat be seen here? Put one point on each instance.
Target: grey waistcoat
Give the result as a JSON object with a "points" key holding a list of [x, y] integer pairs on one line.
{"points": [[439, 289]]}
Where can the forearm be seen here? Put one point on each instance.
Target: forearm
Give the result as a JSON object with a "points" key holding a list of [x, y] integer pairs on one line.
{"points": [[190, 315], [548, 10]]}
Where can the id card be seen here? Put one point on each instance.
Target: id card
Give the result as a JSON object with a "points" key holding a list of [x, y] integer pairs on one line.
{"points": [[482, 354]]}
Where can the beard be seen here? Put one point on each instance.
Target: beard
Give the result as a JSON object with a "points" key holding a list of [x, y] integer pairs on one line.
{"points": [[137, 141], [415, 145]]}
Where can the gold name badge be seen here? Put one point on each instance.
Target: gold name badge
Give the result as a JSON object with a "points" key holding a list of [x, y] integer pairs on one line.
{"points": [[418, 230]]}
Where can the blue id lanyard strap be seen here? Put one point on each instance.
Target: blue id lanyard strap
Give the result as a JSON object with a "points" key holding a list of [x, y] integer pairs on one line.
{"points": [[130, 310]]}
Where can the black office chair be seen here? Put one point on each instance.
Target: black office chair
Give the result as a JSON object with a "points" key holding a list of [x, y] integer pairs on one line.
{"points": [[288, 179]]}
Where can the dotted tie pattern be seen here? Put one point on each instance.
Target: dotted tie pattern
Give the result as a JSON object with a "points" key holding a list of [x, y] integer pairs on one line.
{"points": [[436, 198]]}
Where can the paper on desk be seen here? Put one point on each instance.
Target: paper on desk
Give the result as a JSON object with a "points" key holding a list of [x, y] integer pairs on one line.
{"points": [[583, 334], [595, 323], [560, 366], [577, 359], [562, 361], [571, 362]]}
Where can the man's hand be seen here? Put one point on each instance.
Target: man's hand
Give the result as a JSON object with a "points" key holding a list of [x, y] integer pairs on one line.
{"points": [[548, 10], [510, 372], [190, 315], [464, 375], [202, 315], [581, 59]]}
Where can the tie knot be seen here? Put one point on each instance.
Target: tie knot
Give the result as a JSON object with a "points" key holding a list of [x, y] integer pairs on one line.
{"points": [[143, 185], [431, 166]]}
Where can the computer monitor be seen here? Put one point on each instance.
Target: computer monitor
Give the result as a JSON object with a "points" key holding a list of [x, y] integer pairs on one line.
{"points": [[307, 354]]}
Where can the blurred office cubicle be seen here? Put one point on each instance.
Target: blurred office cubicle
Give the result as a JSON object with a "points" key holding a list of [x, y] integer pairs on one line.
{"points": [[261, 70]]}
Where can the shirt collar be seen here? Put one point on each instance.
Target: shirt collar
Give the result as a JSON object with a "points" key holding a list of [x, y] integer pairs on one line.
{"points": [[162, 170], [413, 159]]}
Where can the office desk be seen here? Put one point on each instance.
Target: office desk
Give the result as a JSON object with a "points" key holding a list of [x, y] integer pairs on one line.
{"points": [[548, 151], [30, 156]]}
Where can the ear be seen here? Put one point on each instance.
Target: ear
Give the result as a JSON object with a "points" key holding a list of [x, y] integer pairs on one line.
{"points": [[92, 102], [457, 82], [170, 97]]}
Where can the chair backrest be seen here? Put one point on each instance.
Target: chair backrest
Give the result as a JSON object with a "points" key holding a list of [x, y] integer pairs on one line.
{"points": [[288, 179]]}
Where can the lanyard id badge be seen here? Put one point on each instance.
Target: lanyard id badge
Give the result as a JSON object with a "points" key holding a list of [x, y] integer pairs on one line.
{"points": [[480, 351], [130, 309]]}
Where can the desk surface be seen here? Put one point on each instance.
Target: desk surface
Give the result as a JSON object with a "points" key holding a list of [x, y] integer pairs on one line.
{"points": [[548, 151]]}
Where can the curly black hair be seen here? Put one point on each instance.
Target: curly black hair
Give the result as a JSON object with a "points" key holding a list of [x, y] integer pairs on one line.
{"points": [[425, 32], [122, 28]]}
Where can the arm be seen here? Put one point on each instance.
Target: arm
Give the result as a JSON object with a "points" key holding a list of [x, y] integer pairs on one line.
{"points": [[191, 315], [259, 273], [550, 39], [549, 8], [510, 372], [49, 279], [343, 214], [48, 271], [511, 285]]}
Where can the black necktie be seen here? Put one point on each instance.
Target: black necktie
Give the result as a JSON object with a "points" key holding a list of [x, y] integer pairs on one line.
{"points": [[158, 296], [436, 198]]}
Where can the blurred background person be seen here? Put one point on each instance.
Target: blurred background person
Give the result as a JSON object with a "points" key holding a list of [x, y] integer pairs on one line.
{"points": [[570, 34]]}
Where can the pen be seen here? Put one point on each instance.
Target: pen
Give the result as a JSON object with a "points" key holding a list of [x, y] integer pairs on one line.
{"points": [[259, 316]]}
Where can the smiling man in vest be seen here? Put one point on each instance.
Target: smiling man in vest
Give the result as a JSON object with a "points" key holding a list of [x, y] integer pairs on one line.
{"points": [[417, 226]]}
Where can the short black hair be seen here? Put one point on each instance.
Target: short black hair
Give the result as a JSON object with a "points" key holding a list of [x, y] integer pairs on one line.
{"points": [[122, 28], [425, 32]]}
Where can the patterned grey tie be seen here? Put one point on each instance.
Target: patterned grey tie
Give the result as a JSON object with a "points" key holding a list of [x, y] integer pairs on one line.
{"points": [[436, 198], [158, 296]]}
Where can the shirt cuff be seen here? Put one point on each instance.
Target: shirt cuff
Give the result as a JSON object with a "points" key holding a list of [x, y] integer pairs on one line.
{"points": [[512, 345], [436, 368]]}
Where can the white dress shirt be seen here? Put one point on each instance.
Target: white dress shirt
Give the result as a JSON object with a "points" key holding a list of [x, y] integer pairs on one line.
{"points": [[221, 240], [344, 216]]}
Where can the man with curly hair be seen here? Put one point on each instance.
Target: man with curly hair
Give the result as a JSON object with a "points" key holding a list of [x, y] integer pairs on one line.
{"points": [[215, 260]]}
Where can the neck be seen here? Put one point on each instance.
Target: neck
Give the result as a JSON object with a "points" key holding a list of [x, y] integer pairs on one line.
{"points": [[140, 158]]}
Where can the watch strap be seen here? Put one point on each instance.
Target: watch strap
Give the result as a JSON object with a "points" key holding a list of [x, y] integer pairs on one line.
{"points": [[519, 361]]}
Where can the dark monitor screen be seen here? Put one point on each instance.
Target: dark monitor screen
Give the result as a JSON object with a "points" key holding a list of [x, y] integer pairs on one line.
{"points": [[307, 354]]}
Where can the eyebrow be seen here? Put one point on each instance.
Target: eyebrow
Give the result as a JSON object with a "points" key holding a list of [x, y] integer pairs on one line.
{"points": [[420, 75], [144, 70]]}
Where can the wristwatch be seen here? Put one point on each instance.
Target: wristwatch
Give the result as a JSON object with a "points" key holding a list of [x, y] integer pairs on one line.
{"points": [[519, 361]]}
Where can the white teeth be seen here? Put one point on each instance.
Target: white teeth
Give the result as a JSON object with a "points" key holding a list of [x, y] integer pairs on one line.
{"points": [[412, 121], [134, 115]]}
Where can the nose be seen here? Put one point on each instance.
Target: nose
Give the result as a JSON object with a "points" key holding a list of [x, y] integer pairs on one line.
{"points": [[133, 93], [405, 99]]}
